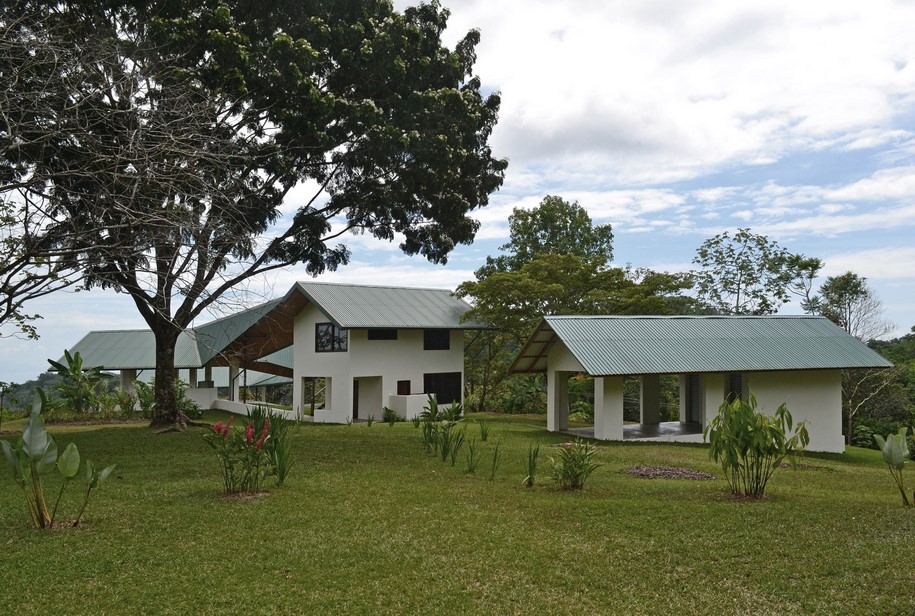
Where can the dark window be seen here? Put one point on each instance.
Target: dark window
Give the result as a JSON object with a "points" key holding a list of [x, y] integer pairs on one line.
{"points": [[403, 388], [382, 334], [436, 340], [445, 385], [329, 338], [735, 387]]}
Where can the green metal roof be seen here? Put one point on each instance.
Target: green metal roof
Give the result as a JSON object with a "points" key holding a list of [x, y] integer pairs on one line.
{"points": [[368, 307], [132, 350], [624, 345], [216, 335]]}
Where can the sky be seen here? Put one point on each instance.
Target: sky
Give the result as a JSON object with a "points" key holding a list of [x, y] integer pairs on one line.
{"points": [[673, 121]]}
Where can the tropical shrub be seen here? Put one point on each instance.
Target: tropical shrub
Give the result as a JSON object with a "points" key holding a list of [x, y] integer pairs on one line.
{"points": [[750, 445], [277, 445], [34, 455], [574, 464], [242, 456], [389, 416], [484, 429], [126, 401], [496, 458], [896, 453], [473, 457], [79, 387], [146, 397]]}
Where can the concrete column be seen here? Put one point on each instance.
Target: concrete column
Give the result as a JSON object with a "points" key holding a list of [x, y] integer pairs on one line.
{"points": [[650, 399], [208, 373], [715, 386], [557, 401], [127, 379], [682, 398], [608, 408], [233, 382], [192, 377]]}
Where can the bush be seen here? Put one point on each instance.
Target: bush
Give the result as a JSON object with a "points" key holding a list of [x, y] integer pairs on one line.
{"points": [[574, 464], [750, 445], [896, 454], [242, 455]]}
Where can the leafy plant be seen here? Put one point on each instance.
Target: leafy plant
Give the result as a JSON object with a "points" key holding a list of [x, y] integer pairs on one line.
{"points": [[484, 429], [496, 458], [146, 397], [277, 444], [454, 412], [79, 387], [750, 445], [473, 457], [416, 421], [34, 455], [896, 453], [532, 454], [389, 416], [370, 420], [574, 464], [244, 460], [126, 401], [456, 444]]}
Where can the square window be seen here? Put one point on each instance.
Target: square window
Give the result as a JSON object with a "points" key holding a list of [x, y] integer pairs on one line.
{"points": [[382, 334], [329, 338]]}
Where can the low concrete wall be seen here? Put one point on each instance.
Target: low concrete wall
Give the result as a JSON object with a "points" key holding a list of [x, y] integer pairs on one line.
{"points": [[408, 407], [204, 397], [239, 408]]}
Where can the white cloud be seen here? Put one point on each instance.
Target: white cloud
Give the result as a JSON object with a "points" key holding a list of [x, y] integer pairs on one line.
{"points": [[875, 264]]}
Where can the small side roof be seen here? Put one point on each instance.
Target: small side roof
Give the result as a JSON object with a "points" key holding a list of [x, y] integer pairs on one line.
{"points": [[629, 345], [133, 349]]}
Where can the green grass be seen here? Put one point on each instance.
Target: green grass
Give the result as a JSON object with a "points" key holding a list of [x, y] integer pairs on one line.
{"points": [[367, 523]]}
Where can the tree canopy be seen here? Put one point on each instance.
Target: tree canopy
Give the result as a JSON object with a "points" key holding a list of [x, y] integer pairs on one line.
{"points": [[555, 226], [747, 273], [172, 142]]}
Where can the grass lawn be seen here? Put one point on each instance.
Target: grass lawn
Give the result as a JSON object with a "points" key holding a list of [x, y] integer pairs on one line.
{"points": [[367, 523]]}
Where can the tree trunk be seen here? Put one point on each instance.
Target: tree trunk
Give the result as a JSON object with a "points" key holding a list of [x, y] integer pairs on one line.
{"points": [[166, 414]]}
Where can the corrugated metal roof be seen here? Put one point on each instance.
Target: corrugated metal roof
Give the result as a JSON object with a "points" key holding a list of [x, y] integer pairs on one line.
{"points": [[216, 335], [362, 306], [132, 350], [618, 345]]}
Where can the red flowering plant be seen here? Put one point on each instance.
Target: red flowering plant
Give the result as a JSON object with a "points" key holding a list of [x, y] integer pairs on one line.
{"points": [[244, 460]]}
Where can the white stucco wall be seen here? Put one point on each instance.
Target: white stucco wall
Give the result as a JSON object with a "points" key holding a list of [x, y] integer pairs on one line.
{"points": [[814, 395], [377, 364]]}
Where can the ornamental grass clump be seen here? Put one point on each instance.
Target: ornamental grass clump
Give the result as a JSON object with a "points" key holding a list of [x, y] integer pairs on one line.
{"points": [[896, 453], [750, 445], [34, 456]]}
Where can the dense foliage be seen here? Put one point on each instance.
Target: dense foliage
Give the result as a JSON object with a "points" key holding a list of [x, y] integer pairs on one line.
{"points": [[174, 132]]}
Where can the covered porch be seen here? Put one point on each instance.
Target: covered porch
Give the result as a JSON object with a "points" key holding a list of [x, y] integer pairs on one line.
{"points": [[664, 432]]}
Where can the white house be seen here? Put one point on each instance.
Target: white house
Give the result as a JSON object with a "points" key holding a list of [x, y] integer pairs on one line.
{"points": [[358, 349], [792, 359], [351, 350]]}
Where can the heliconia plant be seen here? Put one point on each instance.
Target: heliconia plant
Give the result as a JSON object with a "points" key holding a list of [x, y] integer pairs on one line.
{"points": [[896, 453], [34, 455], [248, 455]]}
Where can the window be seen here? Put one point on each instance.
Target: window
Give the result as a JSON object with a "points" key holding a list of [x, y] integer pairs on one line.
{"points": [[382, 334], [436, 340], [734, 387], [329, 338], [445, 385]]}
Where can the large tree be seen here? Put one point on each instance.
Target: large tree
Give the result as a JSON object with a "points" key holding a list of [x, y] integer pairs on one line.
{"points": [[747, 273], [190, 122]]}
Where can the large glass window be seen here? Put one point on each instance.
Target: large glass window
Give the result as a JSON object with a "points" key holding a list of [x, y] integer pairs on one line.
{"points": [[436, 340], [329, 338]]}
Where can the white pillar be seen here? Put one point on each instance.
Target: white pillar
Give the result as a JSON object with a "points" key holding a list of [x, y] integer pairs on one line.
{"points": [[608, 408], [650, 399], [715, 386], [557, 401], [127, 379], [683, 393], [208, 373]]}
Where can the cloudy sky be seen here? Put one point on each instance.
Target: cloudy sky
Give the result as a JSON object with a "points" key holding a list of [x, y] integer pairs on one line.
{"points": [[672, 120]]}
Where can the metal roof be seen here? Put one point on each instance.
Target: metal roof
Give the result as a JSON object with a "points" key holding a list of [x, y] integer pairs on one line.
{"points": [[132, 350], [216, 335], [624, 345], [367, 307]]}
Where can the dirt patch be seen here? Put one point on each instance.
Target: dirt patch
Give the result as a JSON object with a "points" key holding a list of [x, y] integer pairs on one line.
{"points": [[668, 472], [100, 422]]}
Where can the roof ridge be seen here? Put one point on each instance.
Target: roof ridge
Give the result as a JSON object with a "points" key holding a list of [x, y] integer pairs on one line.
{"points": [[370, 286], [685, 316]]}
